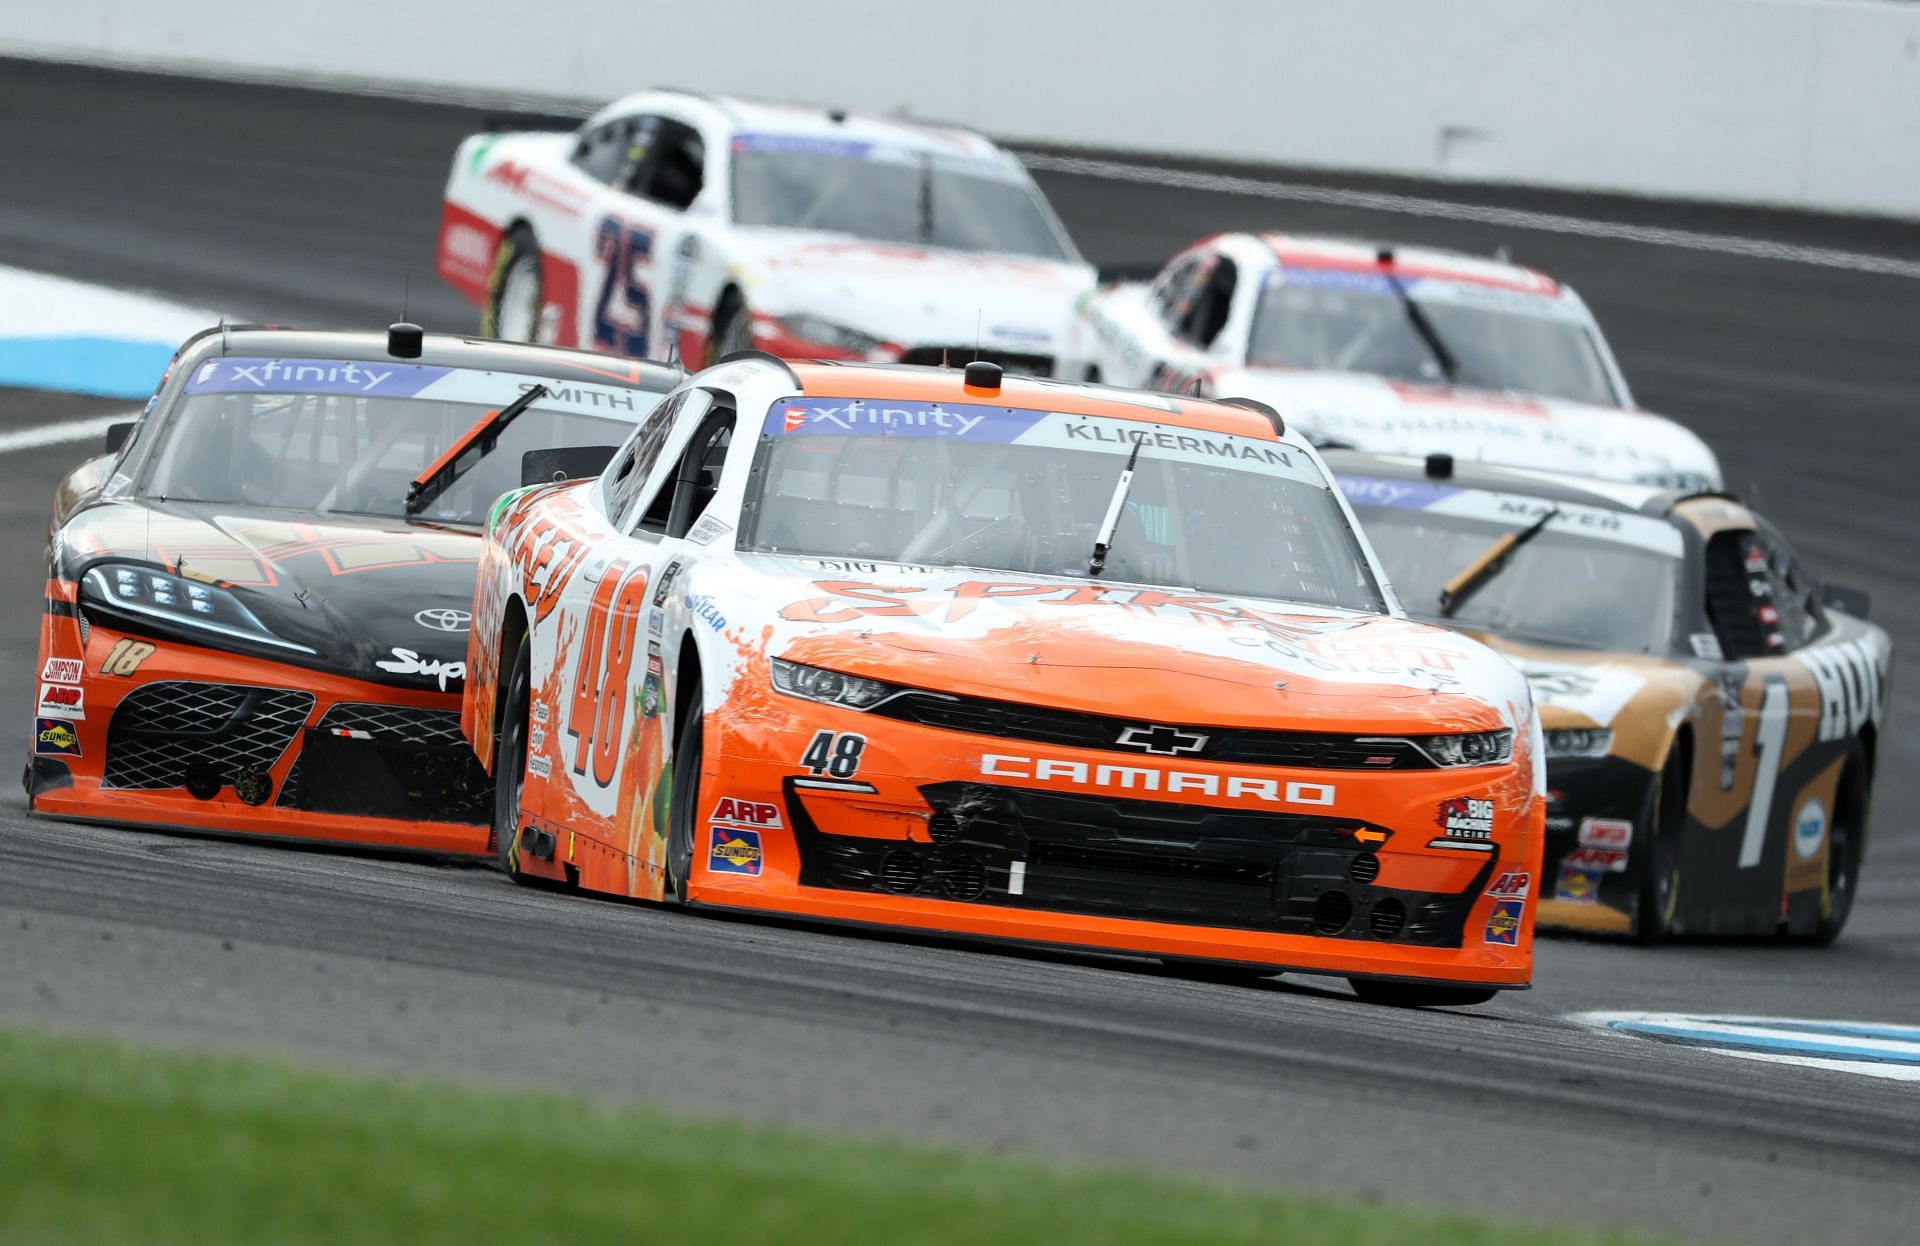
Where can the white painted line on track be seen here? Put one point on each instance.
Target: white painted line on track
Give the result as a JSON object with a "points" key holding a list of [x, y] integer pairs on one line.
{"points": [[1446, 209], [61, 434], [1864, 1048]]}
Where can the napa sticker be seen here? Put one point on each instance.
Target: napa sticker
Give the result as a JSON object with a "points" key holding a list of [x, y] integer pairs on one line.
{"points": [[54, 737], [735, 851]]}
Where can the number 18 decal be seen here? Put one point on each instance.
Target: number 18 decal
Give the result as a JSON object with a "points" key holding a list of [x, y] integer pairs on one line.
{"points": [[836, 756], [623, 318]]}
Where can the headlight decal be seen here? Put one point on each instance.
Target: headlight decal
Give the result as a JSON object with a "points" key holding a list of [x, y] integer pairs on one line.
{"points": [[816, 683], [173, 599]]}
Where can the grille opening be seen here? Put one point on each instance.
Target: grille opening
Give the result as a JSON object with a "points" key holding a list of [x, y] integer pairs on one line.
{"points": [[900, 873], [944, 827], [1388, 918], [1365, 868], [1121, 861], [167, 733], [964, 878], [1332, 911]]}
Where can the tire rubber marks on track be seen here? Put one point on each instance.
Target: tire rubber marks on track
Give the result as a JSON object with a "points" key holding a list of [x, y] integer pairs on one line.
{"points": [[1867, 1048], [1512, 218]]}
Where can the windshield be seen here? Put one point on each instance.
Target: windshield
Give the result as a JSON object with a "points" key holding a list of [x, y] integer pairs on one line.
{"points": [[889, 195], [349, 436], [1335, 321], [1027, 491], [1593, 578]]}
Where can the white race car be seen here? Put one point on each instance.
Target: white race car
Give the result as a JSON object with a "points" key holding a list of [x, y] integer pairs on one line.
{"points": [[1394, 350], [709, 225]]}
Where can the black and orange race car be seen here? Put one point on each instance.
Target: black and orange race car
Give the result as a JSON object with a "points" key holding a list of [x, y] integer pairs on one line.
{"points": [[256, 612], [1711, 708], [994, 657]]}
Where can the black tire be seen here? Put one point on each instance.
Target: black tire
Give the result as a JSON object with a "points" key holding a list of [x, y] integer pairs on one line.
{"points": [[731, 330], [1846, 847], [1665, 819], [510, 764], [1419, 994], [517, 260], [683, 799]]}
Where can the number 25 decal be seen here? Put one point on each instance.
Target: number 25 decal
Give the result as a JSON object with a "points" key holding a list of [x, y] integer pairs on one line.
{"points": [[624, 315], [600, 684]]}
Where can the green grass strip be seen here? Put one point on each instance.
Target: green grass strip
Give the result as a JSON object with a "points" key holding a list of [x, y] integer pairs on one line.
{"points": [[100, 1143]]}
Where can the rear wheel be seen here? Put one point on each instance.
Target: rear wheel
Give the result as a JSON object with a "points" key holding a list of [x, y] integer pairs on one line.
{"points": [[1419, 994], [510, 764], [732, 328], [1846, 846], [514, 289], [1665, 818], [684, 799]]}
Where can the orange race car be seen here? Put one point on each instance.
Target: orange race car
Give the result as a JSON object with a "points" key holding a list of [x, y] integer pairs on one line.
{"points": [[1008, 659], [256, 608]]}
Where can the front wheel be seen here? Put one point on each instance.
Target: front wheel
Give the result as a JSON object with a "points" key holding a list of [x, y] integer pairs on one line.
{"points": [[1658, 897], [514, 289], [684, 798], [510, 764], [732, 328], [1419, 994]]}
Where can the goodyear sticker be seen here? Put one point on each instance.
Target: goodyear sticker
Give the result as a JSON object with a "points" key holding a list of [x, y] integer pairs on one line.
{"points": [[54, 737], [1503, 923], [735, 851]]}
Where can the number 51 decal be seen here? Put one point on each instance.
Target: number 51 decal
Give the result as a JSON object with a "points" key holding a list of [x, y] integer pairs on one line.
{"points": [[623, 317]]}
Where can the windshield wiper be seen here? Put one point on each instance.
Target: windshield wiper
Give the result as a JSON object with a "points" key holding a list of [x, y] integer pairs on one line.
{"points": [[1103, 539], [1449, 366], [443, 471], [1477, 574]]}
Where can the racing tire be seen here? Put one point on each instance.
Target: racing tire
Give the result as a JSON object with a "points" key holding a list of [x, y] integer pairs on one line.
{"points": [[515, 292], [1846, 848], [1658, 894], [510, 764], [1419, 994], [683, 800], [731, 330]]}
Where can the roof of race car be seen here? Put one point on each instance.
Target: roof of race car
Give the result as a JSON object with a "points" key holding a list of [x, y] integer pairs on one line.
{"points": [[1550, 486], [1320, 251], [757, 116], [916, 383], [440, 350]]}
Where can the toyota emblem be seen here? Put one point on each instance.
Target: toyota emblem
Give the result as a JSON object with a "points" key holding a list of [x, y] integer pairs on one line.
{"points": [[444, 620]]}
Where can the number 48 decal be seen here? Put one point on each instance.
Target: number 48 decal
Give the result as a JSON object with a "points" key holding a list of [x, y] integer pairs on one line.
{"points": [[600, 683], [836, 756]]}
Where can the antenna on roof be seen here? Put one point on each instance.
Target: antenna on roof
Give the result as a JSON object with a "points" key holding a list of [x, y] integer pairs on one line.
{"points": [[979, 315], [406, 291]]}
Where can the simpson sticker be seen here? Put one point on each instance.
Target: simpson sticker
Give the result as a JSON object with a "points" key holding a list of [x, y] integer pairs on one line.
{"points": [[1511, 885], [1809, 830], [1598, 860], [1606, 833], [1466, 817], [1503, 923], [63, 670], [737, 812], [62, 701], [1577, 886], [54, 737], [833, 755], [734, 850]]}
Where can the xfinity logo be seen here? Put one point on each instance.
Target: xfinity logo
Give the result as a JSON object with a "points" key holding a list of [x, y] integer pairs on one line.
{"points": [[445, 620], [278, 372], [860, 417], [1164, 741], [1108, 778]]}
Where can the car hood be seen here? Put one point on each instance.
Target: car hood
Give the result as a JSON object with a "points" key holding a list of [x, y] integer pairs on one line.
{"points": [[1383, 416], [1129, 651], [916, 296], [376, 599]]}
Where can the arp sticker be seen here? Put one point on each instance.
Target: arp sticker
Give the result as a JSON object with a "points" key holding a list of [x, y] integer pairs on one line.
{"points": [[63, 701], [1511, 885], [734, 851], [63, 670], [1600, 860], [1466, 817], [1577, 886], [737, 812], [1503, 923], [1809, 830], [55, 737], [1606, 833]]}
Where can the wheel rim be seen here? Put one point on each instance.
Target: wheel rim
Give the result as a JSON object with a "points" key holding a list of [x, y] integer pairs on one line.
{"points": [[519, 300]]}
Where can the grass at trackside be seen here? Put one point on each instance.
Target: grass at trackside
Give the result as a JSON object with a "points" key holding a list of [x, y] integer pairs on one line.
{"points": [[105, 1144]]}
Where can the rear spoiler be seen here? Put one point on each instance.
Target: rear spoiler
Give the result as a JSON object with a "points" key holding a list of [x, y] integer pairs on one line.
{"points": [[1114, 274], [522, 122]]}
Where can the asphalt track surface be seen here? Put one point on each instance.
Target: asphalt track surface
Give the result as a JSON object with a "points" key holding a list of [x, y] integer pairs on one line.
{"points": [[301, 207]]}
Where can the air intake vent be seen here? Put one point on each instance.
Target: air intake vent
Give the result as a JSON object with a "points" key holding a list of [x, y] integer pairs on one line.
{"points": [[900, 873], [1332, 911], [964, 878], [1388, 918], [944, 827], [1365, 868]]}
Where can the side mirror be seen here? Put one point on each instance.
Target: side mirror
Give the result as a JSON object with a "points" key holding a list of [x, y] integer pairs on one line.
{"points": [[117, 435], [1852, 602], [546, 467]]}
